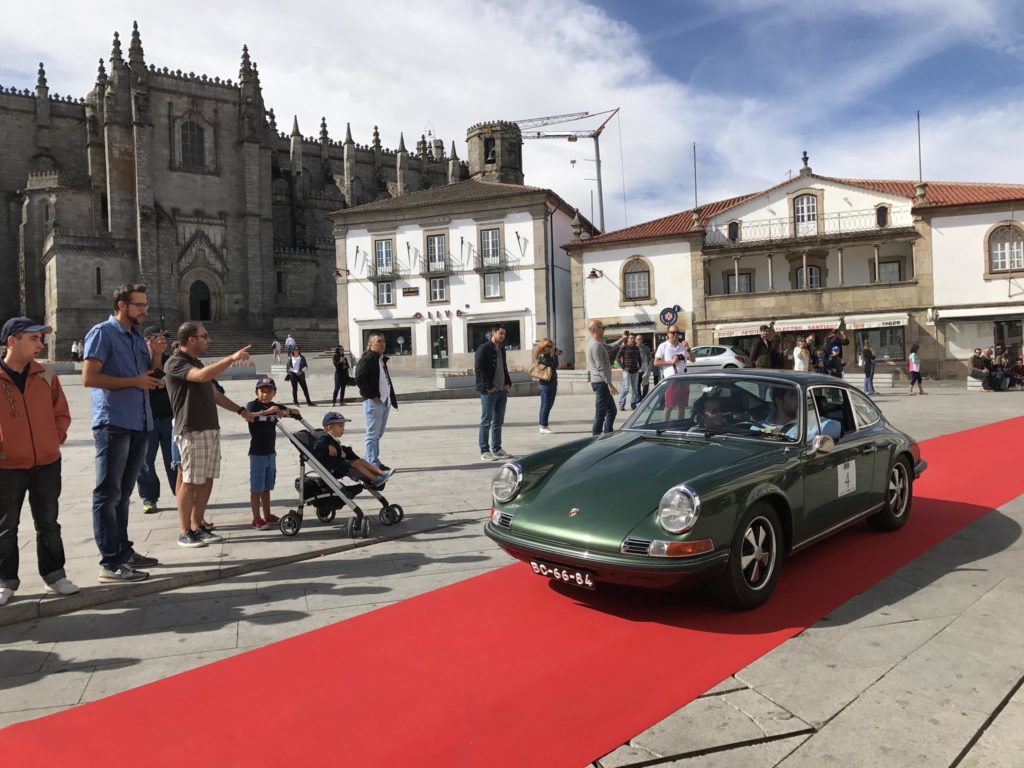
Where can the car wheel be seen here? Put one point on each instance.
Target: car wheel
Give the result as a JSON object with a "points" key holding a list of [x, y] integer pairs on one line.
{"points": [[730, 365], [899, 493], [755, 560]]}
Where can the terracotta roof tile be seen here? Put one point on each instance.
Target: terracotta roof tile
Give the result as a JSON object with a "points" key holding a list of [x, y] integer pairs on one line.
{"points": [[470, 190]]}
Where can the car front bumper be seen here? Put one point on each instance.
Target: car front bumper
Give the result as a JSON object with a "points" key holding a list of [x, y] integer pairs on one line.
{"points": [[920, 467], [636, 571]]}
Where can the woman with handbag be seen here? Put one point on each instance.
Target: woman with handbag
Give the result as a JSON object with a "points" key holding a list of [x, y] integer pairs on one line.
{"points": [[545, 370], [341, 367], [297, 369]]}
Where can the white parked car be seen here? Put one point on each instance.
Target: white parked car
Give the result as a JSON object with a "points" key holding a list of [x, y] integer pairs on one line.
{"points": [[719, 356]]}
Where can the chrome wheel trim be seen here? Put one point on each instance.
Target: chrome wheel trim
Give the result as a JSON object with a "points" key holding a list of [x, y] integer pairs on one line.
{"points": [[899, 487], [757, 553]]}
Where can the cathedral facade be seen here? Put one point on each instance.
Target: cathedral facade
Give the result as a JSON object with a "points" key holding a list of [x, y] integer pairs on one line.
{"points": [[184, 183]]}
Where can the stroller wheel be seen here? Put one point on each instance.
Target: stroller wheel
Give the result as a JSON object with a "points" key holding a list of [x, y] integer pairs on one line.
{"points": [[290, 524], [398, 512], [353, 528], [347, 528], [365, 528], [387, 516], [325, 514]]}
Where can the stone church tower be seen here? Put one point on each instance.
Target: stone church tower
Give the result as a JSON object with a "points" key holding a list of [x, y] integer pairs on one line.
{"points": [[182, 182]]}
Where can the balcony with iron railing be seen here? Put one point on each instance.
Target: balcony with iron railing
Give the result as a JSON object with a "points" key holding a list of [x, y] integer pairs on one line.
{"points": [[436, 265], [382, 270], [490, 261], [829, 227]]}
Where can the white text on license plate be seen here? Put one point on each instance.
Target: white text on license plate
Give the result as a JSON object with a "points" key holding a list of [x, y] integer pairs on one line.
{"points": [[564, 574]]}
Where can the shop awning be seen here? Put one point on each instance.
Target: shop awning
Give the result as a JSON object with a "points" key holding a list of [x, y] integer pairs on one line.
{"points": [[957, 313], [753, 327], [878, 320]]}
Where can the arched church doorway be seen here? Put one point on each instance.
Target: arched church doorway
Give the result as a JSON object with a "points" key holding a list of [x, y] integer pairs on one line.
{"points": [[199, 303]]}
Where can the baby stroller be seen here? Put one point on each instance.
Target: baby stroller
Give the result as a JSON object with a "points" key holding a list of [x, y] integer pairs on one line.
{"points": [[327, 493]]}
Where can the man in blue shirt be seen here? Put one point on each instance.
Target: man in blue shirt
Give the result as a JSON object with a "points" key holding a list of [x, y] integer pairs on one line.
{"points": [[117, 365]]}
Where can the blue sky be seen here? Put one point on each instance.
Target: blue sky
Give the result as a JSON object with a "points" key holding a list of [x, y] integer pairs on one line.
{"points": [[752, 82]]}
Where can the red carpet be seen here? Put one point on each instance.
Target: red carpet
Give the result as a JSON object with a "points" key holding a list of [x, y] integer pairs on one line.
{"points": [[502, 669]]}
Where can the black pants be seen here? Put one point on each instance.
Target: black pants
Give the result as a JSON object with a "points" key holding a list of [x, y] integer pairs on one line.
{"points": [[43, 487], [298, 380], [340, 382]]}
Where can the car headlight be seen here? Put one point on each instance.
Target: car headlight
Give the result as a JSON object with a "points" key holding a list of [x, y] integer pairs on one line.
{"points": [[679, 509], [507, 482]]}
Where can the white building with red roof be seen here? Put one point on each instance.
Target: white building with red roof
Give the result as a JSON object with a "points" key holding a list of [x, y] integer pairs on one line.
{"points": [[938, 264]]}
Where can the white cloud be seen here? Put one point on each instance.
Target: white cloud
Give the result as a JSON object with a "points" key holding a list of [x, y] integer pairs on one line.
{"points": [[449, 64]]}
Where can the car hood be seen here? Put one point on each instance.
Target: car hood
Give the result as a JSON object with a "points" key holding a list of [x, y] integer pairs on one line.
{"points": [[617, 480]]}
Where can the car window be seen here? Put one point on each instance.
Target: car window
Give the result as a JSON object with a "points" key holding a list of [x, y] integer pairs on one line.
{"points": [[834, 405], [715, 351], [701, 351], [737, 351], [864, 410], [812, 425]]}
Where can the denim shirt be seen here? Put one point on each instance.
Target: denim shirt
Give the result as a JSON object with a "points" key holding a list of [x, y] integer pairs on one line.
{"points": [[124, 354]]}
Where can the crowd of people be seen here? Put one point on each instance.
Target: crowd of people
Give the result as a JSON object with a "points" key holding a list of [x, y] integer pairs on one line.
{"points": [[996, 370]]}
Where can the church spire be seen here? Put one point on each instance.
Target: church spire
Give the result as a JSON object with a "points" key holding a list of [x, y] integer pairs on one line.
{"points": [[348, 133], [41, 77], [115, 51], [245, 70], [453, 155], [135, 49], [401, 143], [273, 120], [324, 137], [295, 126], [101, 74]]}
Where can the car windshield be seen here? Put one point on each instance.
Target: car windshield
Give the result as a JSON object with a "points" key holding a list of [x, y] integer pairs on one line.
{"points": [[749, 407]]}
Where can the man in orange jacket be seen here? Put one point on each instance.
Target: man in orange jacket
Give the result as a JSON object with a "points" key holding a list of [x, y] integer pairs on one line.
{"points": [[34, 420]]}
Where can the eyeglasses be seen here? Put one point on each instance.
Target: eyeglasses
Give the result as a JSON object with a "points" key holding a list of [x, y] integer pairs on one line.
{"points": [[140, 304], [673, 333]]}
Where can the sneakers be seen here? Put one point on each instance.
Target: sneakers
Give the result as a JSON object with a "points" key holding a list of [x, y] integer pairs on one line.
{"points": [[190, 539], [501, 454], [271, 519], [149, 507], [122, 575], [546, 431], [488, 456], [62, 587], [5, 595], [382, 478], [260, 524], [208, 536], [141, 561]]}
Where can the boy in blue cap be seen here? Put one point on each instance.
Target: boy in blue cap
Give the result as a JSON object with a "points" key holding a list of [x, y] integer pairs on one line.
{"points": [[340, 460], [262, 450]]}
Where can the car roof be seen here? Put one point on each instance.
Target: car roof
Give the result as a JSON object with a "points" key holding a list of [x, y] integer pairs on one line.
{"points": [[797, 377]]}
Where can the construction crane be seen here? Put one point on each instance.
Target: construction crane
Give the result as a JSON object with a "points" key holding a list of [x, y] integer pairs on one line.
{"points": [[536, 122], [576, 136]]}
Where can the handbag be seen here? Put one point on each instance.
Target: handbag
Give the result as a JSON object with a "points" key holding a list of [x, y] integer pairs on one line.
{"points": [[540, 371]]}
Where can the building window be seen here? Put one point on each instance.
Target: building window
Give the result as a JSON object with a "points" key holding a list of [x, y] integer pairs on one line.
{"points": [[1006, 249], [99, 281], [882, 216], [490, 248], [280, 282], [636, 280], [886, 343], [438, 289], [385, 294], [890, 272], [492, 285], [813, 274], [193, 149], [731, 286], [383, 257], [734, 231], [479, 333], [435, 253], [805, 211]]}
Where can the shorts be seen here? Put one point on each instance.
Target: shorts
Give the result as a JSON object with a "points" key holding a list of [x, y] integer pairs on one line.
{"points": [[200, 455], [915, 377], [677, 394], [262, 473]]}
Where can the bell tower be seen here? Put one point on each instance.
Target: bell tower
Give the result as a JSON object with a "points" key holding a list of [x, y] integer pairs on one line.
{"points": [[496, 152]]}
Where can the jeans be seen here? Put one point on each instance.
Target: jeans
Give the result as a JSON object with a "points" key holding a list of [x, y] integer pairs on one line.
{"points": [[376, 420], [340, 382], [645, 383], [492, 418], [160, 439], [43, 487], [869, 377], [604, 408], [299, 380], [119, 456], [630, 384], [548, 391]]}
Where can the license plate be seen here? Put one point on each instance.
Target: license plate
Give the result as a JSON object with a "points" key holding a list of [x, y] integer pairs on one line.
{"points": [[565, 574]]}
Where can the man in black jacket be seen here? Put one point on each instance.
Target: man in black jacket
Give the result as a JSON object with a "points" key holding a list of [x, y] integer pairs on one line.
{"points": [[493, 384], [378, 395]]}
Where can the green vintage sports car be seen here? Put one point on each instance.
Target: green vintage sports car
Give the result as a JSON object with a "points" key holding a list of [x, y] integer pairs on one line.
{"points": [[715, 475]]}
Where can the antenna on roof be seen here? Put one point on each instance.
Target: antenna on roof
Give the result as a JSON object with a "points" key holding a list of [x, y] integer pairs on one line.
{"points": [[695, 175], [920, 175]]}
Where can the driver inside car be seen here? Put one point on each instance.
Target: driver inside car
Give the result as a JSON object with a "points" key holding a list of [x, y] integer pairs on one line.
{"points": [[782, 419], [707, 412]]}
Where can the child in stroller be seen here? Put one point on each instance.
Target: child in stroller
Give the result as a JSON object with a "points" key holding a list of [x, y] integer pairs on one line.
{"points": [[340, 460]]}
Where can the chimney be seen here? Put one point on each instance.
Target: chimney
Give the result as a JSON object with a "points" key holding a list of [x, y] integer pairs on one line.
{"points": [[921, 190]]}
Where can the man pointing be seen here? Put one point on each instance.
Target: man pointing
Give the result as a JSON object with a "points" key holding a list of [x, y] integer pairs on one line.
{"points": [[194, 401]]}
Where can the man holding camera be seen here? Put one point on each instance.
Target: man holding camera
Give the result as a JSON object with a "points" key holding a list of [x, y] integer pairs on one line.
{"points": [[673, 354]]}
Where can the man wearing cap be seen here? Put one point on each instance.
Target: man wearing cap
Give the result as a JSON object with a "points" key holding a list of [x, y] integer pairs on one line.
{"points": [[194, 401], [116, 365], [34, 422], [374, 382], [162, 435]]}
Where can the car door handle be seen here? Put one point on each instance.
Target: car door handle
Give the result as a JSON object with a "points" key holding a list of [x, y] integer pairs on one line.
{"points": [[867, 449]]}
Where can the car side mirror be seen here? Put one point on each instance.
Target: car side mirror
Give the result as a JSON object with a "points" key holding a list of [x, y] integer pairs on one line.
{"points": [[823, 444]]}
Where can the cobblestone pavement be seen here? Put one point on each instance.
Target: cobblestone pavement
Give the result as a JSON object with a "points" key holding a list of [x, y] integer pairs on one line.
{"points": [[923, 669]]}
